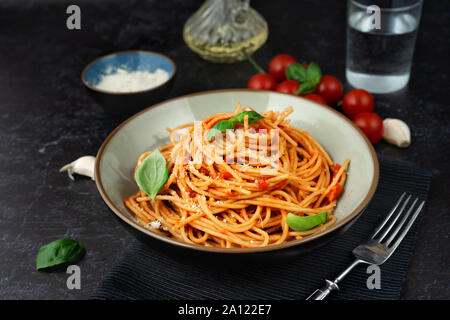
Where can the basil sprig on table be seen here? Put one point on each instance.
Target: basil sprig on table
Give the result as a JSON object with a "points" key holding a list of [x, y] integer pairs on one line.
{"points": [[152, 174], [58, 252], [299, 223], [308, 77], [225, 125]]}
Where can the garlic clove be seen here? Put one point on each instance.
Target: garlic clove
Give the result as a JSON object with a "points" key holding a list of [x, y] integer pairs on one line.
{"points": [[397, 132], [84, 166]]}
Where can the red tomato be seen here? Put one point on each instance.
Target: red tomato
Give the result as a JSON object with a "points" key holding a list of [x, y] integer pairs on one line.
{"points": [[262, 184], [357, 101], [288, 86], [262, 81], [330, 88], [278, 65], [334, 192], [225, 175], [371, 124], [315, 97], [336, 168]]}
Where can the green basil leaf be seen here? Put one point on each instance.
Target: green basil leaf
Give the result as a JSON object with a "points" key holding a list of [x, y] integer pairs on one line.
{"points": [[298, 223], [152, 174], [59, 252], [252, 117], [225, 125], [220, 127], [212, 133], [296, 71], [314, 73], [306, 87]]}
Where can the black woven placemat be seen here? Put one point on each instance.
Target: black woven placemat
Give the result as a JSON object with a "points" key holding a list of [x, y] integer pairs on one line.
{"points": [[143, 272]]}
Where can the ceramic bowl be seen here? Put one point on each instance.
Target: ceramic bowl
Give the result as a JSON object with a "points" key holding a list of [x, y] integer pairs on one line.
{"points": [[146, 130], [124, 104]]}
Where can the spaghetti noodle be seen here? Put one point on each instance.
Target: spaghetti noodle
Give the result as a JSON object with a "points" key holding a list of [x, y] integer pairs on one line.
{"points": [[276, 169]]}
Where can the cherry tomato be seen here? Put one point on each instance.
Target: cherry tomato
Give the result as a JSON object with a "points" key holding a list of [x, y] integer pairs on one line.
{"points": [[315, 97], [278, 65], [288, 86], [330, 88], [371, 124], [262, 81], [357, 101]]}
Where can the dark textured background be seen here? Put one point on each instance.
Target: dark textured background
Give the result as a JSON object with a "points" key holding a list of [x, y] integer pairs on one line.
{"points": [[47, 120]]}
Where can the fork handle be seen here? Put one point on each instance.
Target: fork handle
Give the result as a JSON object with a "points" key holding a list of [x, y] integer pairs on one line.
{"points": [[322, 293]]}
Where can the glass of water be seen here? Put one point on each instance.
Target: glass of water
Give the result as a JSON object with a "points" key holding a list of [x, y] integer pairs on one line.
{"points": [[380, 43]]}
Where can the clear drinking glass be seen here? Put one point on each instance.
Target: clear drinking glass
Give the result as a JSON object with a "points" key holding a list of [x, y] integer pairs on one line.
{"points": [[380, 43]]}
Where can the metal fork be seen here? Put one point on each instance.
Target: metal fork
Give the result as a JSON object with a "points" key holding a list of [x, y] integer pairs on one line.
{"points": [[380, 246]]}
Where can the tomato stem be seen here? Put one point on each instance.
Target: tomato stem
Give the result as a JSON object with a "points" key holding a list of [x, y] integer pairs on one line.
{"points": [[253, 62]]}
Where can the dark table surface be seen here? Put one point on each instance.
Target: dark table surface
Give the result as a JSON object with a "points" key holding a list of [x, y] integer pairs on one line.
{"points": [[47, 120]]}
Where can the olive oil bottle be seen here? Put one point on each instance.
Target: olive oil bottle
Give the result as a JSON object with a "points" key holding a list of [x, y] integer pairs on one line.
{"points": [[225, 31]]}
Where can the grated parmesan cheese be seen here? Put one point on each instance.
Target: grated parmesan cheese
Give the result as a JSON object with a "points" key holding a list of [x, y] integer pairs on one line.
{"points": [[121, 80], [155, 224]]}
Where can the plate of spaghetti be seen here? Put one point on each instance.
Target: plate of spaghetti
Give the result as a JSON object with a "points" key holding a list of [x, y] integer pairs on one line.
{"points": [[237, 171]]}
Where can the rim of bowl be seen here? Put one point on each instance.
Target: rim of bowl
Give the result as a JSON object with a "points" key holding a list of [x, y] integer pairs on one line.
{"points": [[275, 247], [87, 67]]}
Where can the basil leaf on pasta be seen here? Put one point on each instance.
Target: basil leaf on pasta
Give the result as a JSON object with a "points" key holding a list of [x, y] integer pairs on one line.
{"points": [[152, 174], [299, 223], [252, 117], [220, 127], [229, 124]]}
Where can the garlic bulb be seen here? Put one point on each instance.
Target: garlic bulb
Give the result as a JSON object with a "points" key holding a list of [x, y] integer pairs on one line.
{"points": [[397, 132], [84, 166]]}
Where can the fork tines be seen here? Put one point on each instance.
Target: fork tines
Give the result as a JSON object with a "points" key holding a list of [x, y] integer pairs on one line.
{"points": [[383, 231]]}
